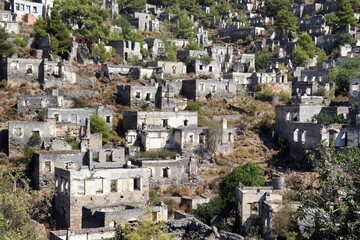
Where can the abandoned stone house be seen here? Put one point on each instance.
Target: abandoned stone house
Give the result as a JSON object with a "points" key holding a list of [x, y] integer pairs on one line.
{"points": [[308, 9], [121, 214], [257, 203], [243, 81], [182, 55], [138, 96], [202, 37], [20, 133], [112, 6], [135, 72], [221, 53], [126, 50], [159, 120], [156, 48], [169, 99], [168, 172], [201, 139], [201, 89], [295, 124], [277, 81], [171, 69], [18, 70], [236, 33], [43, 175], [8, 22], [200, 67], [245, 63], [79, 188], [79, 116], [314, 26], [30, 105], [143, 22], [25, 10]]}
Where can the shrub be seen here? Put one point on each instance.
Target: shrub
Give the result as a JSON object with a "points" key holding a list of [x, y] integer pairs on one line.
{"points": [[98, 125], [207, 211], [79, 103], [28, 154], [163, 154], [193, 107], [172, 205], [35, 139], [75, 145], [284, 97], [324, 118]]}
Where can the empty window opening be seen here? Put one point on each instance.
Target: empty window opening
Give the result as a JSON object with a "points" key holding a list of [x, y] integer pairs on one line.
{"points": [[151, 172], [67, 187], [108, 119], [47, 166], [26, 103], [201, 138], [191, 138], [288, 116], [99, 185], [230, 137], [210, 68], [126, 56], [355, 87], [201, 67], [133, 46], [332, 135], [165, 123], [295, 117], [186, 122], [81, 187], [213, 88], [137, 94], [296, 135], [202, 87], [17, 132], [137, 184], [148, 97], [166, 172], [56, 117], [303, 137], [113, 186]]}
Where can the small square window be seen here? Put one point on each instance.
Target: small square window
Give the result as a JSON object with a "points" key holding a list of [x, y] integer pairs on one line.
{"points": [[113, 185], [47, 166]]}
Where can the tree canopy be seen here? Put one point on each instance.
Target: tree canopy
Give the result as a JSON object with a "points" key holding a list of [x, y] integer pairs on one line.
{"points": [[98, 125], [18, 206], [87, 16], [341, 75], [59, 34], [345, 14], [6, 48], [333, 212], [274, 6], [286, 23], [249, 174]]}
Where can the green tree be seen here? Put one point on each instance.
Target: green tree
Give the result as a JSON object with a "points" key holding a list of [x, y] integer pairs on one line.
{"points": [[19, 205], [331, 20], [321, 57], [207, 211], [98, 52], [58, 31], [87, 16], [300, 56], [6, 47], [186, 26], [192, 45], [345, 38], [307, 44], [171, 51], [133, 5], [286, 23], [341, 75], [274, 6], [214, 136], [249, 174], [98, 125], [345, 14], [261, 61], [333, 212]]}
